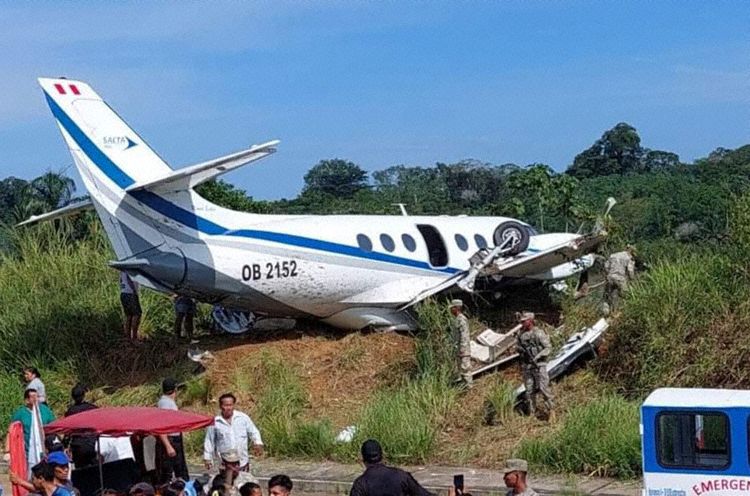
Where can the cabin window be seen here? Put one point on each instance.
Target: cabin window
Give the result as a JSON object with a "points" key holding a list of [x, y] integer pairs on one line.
{"points": [[409, 242], [364, 242], [480, 241], [693, 440], [461, 242], [387, 242]]}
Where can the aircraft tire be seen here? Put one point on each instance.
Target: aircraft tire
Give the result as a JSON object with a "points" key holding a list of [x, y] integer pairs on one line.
{"points": [[512, 229]]}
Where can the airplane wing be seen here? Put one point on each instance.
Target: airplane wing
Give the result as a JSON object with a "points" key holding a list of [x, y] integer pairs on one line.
{"points": [[544, 260], [192, 176], [66, 211], [519, 266]]}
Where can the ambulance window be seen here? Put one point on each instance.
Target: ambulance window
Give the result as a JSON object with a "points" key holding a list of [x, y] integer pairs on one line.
{"points": [[693, 440], [461, 242], [387, 242], [409, 242], [364, 242]]}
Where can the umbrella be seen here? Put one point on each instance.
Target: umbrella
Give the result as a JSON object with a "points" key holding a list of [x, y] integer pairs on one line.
{"points": [[128, 421]]}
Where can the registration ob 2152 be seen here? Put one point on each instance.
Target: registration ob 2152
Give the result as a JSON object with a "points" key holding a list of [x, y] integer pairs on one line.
{"points": [[270, 270]]}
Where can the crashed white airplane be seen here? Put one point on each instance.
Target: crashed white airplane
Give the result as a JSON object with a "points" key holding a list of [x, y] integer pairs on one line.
{"points": [[351, 271]]}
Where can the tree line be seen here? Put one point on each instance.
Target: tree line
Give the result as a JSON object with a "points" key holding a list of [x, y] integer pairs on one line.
{"points": [[659, 195]]}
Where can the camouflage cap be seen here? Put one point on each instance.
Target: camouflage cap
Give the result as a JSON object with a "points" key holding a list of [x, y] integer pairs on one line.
{"points": [[515, 465], [457, 303], [526, 316]]}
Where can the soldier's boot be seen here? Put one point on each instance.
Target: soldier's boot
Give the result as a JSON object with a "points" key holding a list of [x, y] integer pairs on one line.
{"points": [[530, 404]]}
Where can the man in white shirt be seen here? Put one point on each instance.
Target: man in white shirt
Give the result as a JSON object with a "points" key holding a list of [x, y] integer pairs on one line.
{"points": [[231, 430], [131, 305]]}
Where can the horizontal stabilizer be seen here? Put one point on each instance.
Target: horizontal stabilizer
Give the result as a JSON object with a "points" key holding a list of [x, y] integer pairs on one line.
{"points": [[66, 211], [192, 176]]}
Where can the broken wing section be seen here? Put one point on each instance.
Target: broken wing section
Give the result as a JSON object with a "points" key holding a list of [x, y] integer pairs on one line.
{"points": [[497, 263], [539, 265]]}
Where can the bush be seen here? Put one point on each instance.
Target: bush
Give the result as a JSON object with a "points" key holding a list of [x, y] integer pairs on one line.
{"points": [[402, 427], [599, 438], [683, 324], [435, 349], [60, 302], [500, 402]]}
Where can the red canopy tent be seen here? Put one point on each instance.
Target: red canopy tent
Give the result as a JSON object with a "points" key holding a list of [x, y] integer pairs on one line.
{"points": [[129, 420]]}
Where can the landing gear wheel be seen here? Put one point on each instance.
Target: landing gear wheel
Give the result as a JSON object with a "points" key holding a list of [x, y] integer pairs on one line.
{"points": [[515, 233]]}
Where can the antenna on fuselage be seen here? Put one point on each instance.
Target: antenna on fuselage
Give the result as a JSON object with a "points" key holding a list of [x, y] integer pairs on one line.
{"points": [[402, 207]]}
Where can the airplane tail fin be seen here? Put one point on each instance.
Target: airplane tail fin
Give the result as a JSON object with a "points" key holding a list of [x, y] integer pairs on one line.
{"points": [[110, 157], [99, 138], [144, 205]]}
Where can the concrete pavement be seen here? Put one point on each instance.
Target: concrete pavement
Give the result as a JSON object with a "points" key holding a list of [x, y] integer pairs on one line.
{"points": [[329, 478]]}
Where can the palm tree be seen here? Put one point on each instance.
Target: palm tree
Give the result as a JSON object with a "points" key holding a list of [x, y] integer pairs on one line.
{"points": [[47, 192]]}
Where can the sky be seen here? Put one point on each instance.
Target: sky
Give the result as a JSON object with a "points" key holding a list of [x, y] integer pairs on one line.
{"points": [[379, 83]]}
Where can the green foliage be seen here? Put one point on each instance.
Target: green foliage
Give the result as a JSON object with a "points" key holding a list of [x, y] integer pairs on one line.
{"points": [[335, 177], [500, 402], [597, 438], [20, 199], [618, 151], [11, 392], [228, 196], [684, 322], [43, 320], [197, 391], [435, 348]]}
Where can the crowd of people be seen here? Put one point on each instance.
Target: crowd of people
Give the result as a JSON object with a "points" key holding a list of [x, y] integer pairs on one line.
{"points": [[161, 465], [158, 461]]}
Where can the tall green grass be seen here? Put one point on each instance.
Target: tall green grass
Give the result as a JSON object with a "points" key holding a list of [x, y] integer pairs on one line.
{"points": [[435, 347], [407, 417], [60, 300], [597, 438], [683, 324], [61, 313], [500, 402]]}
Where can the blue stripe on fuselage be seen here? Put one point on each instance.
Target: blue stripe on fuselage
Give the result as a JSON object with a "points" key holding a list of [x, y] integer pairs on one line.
{"points": [[189, 219]]}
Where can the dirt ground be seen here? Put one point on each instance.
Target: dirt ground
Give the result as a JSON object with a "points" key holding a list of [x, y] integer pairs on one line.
{"points": [[341, 371]]}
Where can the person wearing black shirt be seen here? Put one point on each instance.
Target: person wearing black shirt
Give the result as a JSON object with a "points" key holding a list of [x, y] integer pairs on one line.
{"points": [[382, 480], [82, 448]]}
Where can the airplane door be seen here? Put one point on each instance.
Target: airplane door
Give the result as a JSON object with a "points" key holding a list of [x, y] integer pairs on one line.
{"points": [[435, 245]]}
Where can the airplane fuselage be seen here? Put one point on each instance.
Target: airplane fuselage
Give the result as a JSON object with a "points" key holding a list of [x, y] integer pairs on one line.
{"points": [[352, 271]]}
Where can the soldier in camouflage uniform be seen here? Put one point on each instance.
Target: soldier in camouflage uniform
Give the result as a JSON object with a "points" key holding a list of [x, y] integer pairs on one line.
{"points": [[620, 270], [462, 338], [533, 346], [514, 476]]}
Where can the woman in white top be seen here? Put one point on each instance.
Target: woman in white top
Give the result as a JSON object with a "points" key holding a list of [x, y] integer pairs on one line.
{"points": [[34, 381]]}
